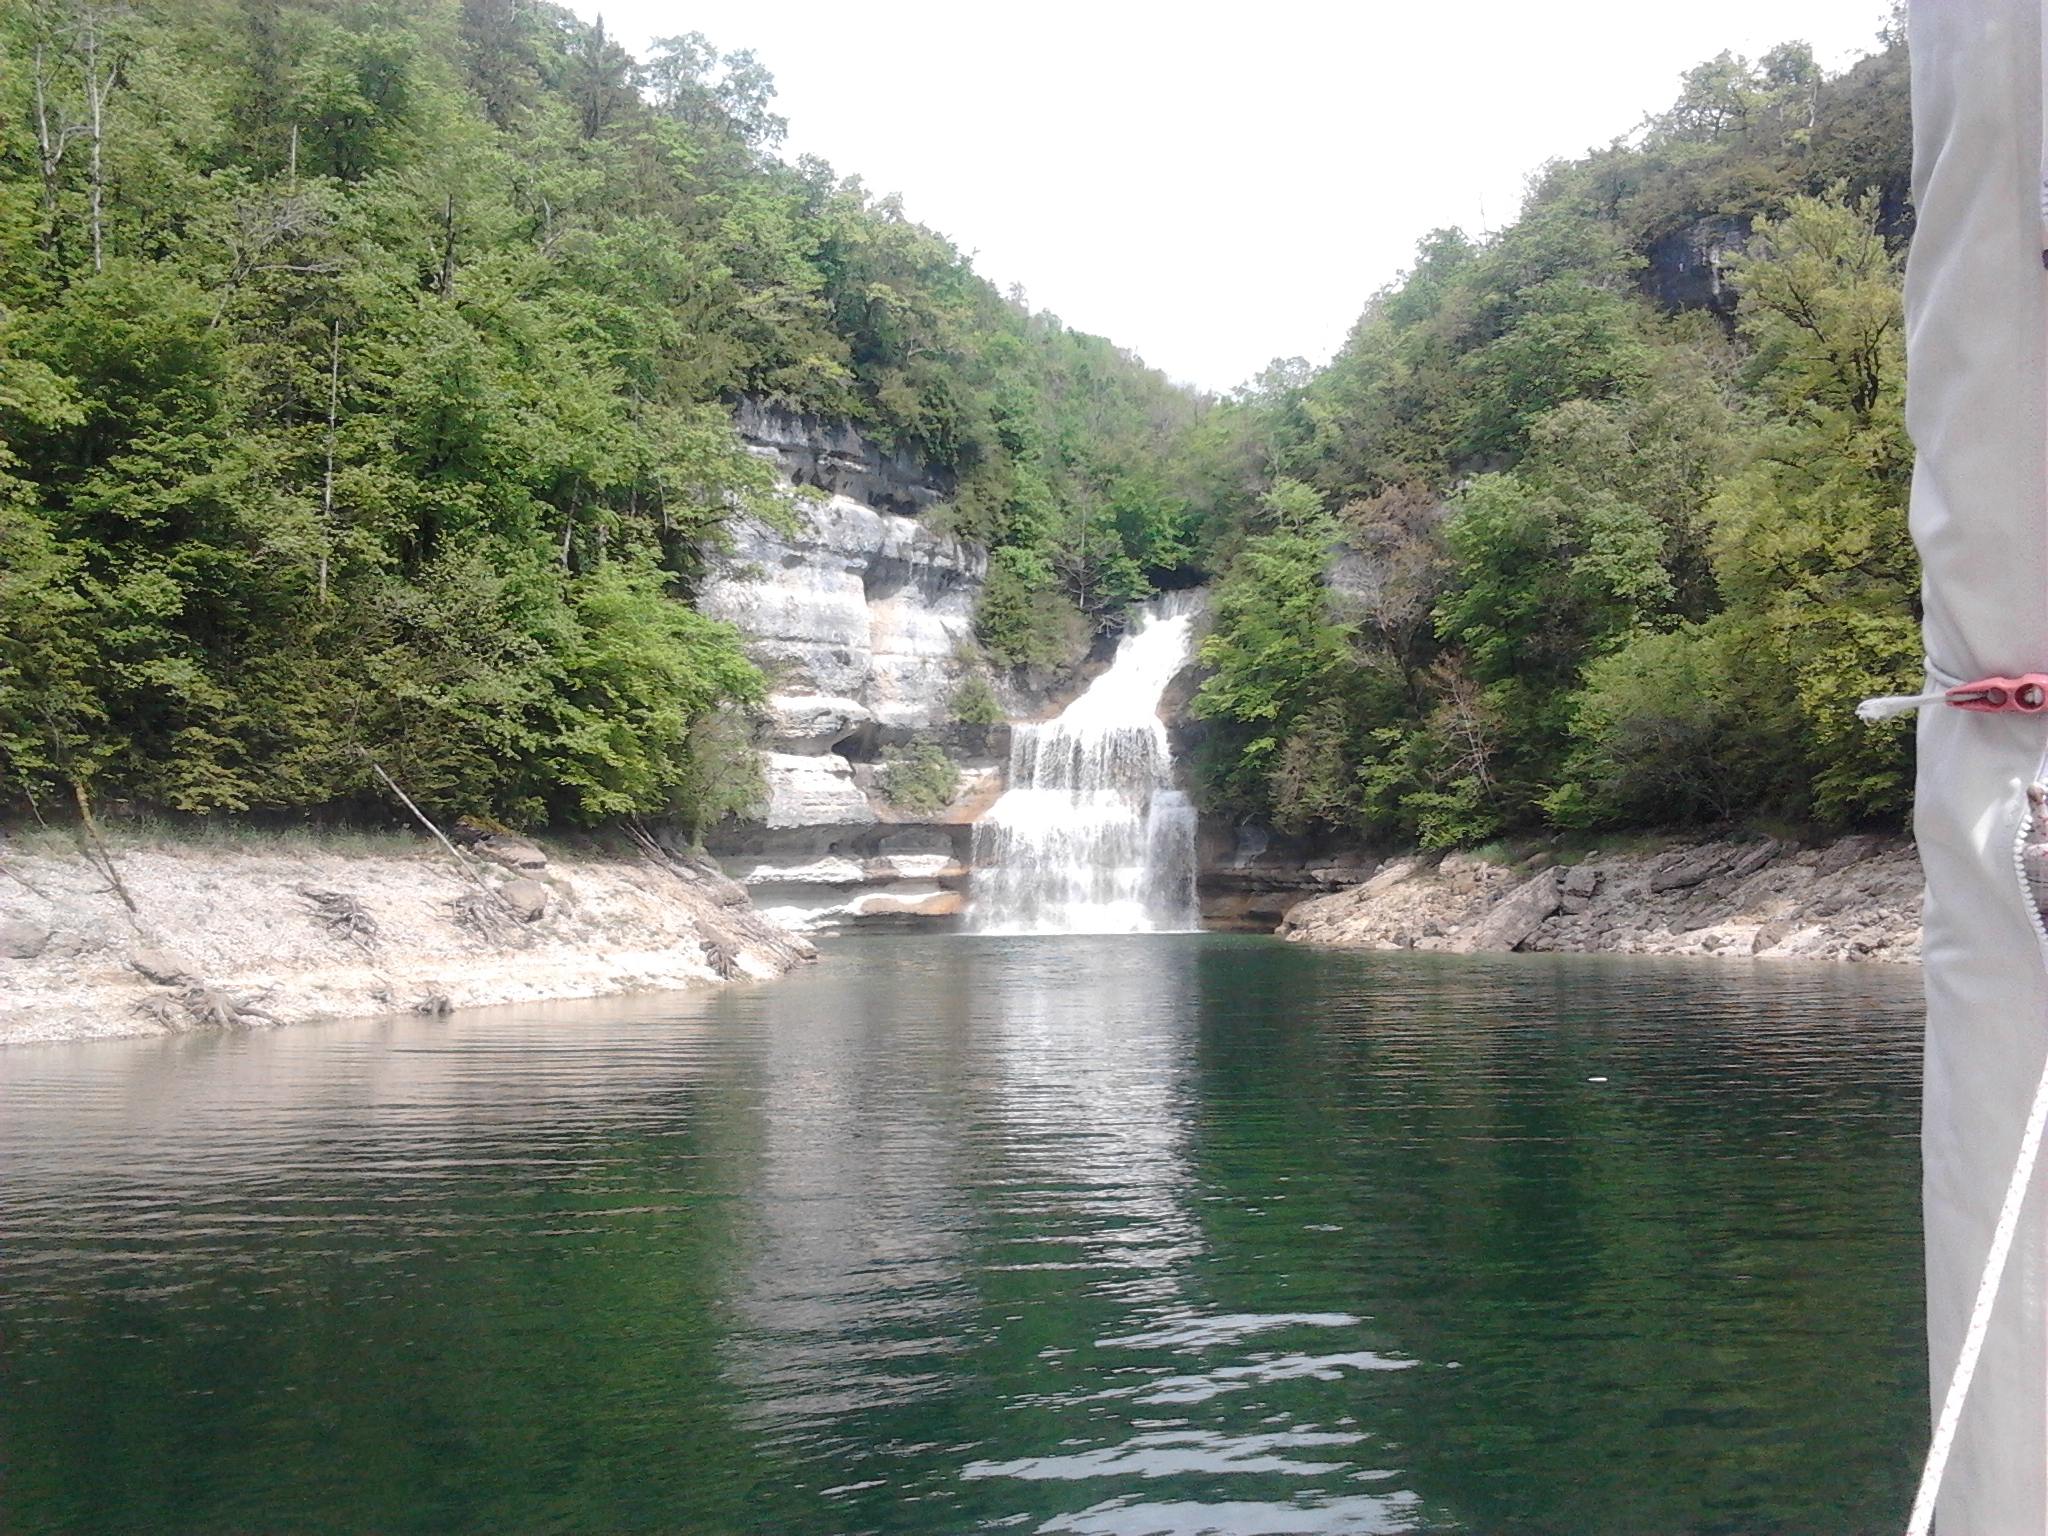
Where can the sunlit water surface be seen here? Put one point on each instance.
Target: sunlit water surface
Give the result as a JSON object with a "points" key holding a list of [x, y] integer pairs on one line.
{"points": [[1169, 1234]]}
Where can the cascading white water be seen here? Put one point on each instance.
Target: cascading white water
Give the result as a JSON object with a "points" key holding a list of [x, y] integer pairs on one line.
{"points": [[1091, 836]]}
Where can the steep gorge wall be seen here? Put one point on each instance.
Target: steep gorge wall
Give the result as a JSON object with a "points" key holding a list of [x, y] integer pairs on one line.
{"points": [[836, 457], [863, 618], [862, 614]]}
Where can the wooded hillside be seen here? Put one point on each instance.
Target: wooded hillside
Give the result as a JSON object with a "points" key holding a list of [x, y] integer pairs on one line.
{"points": [[366, 376], [1608, 564], [366, 370]]}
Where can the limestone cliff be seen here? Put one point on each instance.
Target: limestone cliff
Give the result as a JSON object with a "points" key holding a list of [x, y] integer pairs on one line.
{"points": [[835, 457], [860, 617], [863, 619]]}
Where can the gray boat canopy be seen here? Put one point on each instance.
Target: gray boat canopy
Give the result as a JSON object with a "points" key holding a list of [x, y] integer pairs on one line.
{"points": [[1977, 408]]}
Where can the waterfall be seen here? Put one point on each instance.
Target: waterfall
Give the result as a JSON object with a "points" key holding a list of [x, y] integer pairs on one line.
{"points": [[1091, 836]]}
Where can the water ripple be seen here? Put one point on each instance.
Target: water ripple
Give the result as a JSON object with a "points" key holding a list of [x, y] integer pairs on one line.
{"points": [[1122, 1236]]}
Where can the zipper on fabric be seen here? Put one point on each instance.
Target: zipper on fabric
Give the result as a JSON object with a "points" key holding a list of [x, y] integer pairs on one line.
{"points": [[1920, 1522], [2034, 818]]}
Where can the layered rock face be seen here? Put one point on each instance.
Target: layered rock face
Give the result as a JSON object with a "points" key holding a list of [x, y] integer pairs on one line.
{"points": [[859, 617], [1250, 877], [1854, 899], [833, 456], [862, 619]]}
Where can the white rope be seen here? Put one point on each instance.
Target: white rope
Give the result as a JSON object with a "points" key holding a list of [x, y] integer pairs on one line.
{"points": [[1922, 1518], [1886, 707]]}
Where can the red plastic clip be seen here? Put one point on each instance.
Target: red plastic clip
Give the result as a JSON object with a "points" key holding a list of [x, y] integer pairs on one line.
{"points": [[2026, 695]]}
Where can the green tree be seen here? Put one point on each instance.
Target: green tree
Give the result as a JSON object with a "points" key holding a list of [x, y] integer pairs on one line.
{"points": [[1810, 533], [1276, 659], [1679, 727]]}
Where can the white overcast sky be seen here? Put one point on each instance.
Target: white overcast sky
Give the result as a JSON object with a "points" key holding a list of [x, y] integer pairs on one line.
{"points": [[1214, 187]]}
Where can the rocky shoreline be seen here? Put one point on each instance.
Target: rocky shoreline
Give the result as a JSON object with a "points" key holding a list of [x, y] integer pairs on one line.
{"points": [[1857, 898], [306, 929]]}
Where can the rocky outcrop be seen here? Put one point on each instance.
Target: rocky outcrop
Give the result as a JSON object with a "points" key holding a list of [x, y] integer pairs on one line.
{"points": [[863, 618], [886, 874], [512, 852], [526, 900], [836, 457], [159, 965], [1512, 920], [814, 793], [1249, 877], [1857, 898], [808, 723], [1687, 268]]}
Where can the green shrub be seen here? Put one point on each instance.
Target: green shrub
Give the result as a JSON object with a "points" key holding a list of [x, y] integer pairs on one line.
{"points": [[1673, 729], [1025, 620], [975, 703], [920, 778]]}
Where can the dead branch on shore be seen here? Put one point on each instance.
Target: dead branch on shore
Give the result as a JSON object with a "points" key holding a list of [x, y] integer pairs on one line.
{"points": [[195, 1002], [94, 843], [484, 911], [484, 914], [737, 915], [424, 820], [24, 882], [724, 961], [343, 915]]}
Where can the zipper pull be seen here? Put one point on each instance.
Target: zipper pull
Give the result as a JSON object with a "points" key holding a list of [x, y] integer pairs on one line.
{"points": [[2023, 695]]}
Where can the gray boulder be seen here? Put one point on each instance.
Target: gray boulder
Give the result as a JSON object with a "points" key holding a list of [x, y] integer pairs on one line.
{"points": [[1850, 850], [1392, 873], [1511, 922], [512, 852], [526, 900], [22, 940], [1773, 933], [1690, 869], [160, 965], [1755, 859]]}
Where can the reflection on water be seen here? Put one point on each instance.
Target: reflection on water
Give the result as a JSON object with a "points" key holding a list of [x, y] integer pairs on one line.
{"points": [[1159, 1235]]}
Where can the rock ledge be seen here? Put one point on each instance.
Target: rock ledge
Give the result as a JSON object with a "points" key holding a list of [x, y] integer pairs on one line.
{"points": [[1857, 898]]}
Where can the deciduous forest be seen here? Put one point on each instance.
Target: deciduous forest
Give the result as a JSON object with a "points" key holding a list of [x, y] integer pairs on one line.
{"points": [[366, 376]]}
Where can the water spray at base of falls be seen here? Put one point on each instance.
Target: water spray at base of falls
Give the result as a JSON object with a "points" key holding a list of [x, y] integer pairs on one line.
{"points": [[1091, 835]]}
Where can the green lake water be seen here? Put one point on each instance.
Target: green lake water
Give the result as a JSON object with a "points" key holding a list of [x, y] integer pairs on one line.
{"points": [[1171, 1235]]}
